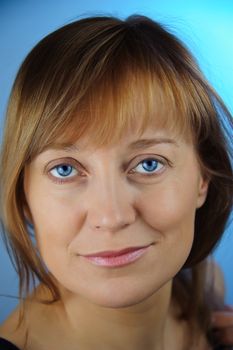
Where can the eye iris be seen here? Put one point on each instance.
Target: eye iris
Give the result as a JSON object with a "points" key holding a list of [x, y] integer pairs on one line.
{"points": [[150, 164], [64, 170]]}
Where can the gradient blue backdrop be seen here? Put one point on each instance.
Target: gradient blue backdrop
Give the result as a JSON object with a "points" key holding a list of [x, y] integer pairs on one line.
{"points": [[205, 26]]}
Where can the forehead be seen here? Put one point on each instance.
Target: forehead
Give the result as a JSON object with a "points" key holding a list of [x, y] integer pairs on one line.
{"points": [[131, 141], [115, 111]]}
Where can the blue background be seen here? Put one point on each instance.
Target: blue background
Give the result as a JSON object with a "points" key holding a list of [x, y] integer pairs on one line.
{"points": [[205, 26]]}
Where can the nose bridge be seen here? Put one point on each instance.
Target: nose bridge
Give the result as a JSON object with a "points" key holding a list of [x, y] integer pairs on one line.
{"points": [[110, 205]]}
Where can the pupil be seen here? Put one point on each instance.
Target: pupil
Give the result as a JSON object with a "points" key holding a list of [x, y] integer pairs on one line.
{"points": [[150, 164], [64, 170]]}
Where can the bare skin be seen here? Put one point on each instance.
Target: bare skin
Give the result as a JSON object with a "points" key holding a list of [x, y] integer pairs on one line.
{"points": [[110, 202], [45, 324], [48, 328]]}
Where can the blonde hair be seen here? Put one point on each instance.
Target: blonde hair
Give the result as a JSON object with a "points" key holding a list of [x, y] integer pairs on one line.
{"points": [[100, 76]]}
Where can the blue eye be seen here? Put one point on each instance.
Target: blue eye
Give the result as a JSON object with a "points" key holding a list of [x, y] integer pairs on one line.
{"points": [[150, 166], [62, 171]]}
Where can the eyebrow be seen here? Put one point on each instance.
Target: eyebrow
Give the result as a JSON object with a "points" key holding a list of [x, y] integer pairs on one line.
{"points": [[134, 146], [145, 143]]}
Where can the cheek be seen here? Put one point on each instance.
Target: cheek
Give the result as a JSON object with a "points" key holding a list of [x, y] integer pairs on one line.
{"points": [[170, 208], [170, 212], [56, 222]]}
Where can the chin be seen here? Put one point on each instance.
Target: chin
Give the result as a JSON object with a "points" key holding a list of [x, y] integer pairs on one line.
{"points": [[119, 302], [123, 297]]}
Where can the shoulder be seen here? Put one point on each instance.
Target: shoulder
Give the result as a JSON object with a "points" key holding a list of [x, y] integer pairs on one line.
{"points": [[13, 330], [24, 322]]}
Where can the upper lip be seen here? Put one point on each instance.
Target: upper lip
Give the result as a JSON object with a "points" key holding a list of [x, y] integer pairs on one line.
{"points": [[111, 253]]}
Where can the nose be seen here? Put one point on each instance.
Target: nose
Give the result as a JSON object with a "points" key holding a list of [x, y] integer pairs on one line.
{"points": [[110, 206]]}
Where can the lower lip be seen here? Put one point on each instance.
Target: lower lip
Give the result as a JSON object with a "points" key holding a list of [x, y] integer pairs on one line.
{"points": [[120, 260]]}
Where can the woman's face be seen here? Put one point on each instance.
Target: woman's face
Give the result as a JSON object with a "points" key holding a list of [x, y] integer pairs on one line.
{"points": [[141, 192]]}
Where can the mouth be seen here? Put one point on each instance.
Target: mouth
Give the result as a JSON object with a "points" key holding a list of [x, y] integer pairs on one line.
{"points": [[117, 258]]}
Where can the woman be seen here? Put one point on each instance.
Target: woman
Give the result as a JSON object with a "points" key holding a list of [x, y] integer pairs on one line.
{"points": [[115, 154]]}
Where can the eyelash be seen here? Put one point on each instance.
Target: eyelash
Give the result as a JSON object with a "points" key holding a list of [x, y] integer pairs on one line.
{"points": [[159, 162]]}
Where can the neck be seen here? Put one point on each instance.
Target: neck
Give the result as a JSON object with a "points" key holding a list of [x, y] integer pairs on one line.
{"points": [[141, 326]]}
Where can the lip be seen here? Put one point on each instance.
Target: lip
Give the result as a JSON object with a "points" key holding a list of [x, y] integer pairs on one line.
{"points": [[117, 258], [111, 253]]}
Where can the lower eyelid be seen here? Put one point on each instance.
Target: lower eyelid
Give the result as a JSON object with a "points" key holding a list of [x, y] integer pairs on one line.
{"points": [[63, 180]]}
